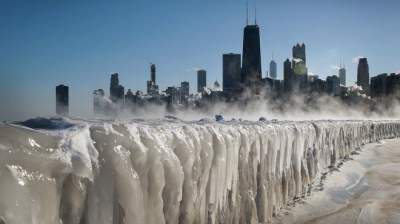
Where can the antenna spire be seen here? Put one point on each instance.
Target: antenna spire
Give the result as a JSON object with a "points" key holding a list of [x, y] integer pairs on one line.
{"points": [[255, 13], [247, 12]]}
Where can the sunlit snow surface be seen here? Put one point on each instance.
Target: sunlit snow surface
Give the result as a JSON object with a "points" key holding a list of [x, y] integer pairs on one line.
{"points": [[168, 171]]}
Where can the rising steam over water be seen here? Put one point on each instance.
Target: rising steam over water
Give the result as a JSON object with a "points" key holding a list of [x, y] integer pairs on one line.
{"points": [[168, 171]]}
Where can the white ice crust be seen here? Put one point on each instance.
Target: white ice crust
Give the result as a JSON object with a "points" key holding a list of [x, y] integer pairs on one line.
{"points": [[170, 171]]}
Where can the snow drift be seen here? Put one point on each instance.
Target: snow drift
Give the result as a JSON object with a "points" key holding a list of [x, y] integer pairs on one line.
{"points": [[168, 171]]}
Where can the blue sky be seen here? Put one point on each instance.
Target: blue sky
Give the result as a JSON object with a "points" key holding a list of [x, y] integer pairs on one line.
{"points": [[79, 43]]}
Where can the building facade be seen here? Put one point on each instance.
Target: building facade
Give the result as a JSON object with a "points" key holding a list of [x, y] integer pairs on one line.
{"points": [[117, 91], [287, 76], [299, 52], [201, 80], [98, 101], [342, 76], [153, 73], [299, 65], [385, 85], [363, 75], [62, 100], [184, 92], [152, 88], [251, 57], [272, 69], [231, 73], [333, 85]]}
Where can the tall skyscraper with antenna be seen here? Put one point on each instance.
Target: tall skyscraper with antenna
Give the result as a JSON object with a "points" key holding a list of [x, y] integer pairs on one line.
{"points": [[251, 57]]}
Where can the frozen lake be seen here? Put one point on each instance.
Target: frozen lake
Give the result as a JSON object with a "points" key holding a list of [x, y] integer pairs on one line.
{"points": [[365, 190]]}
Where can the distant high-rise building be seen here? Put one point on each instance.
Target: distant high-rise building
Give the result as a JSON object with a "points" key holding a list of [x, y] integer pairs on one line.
{"points": [[299, 66], [201, 80], [333, 85], [98, 101], [62, 100], [287, 76], [251, 61], [393, 84], [129, 96], [217, 86], [379, 85], [153, 73], [318, 86], [363, 75], [149, 87], [173, 95], [231, 72], [299, 52], [272, 69], [117, 91], [342, 76], [184, 92], [152, 88], [385, 86], [114, 82]]}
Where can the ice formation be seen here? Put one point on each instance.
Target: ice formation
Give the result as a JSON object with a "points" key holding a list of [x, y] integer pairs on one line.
{"points": [[169, 171]]}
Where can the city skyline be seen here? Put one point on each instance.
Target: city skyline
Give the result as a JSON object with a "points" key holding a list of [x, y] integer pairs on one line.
{"points": [[134, 74]]}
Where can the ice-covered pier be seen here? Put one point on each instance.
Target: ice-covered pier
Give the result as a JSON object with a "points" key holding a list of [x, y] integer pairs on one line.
{"points": [[168, 171]]}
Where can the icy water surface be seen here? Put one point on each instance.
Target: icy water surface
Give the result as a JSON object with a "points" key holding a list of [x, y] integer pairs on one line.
{"points": [[365, 190]]}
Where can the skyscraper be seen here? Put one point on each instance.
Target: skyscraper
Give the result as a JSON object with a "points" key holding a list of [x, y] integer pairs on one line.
{"points": [[299, 66], [379, 85], [393, 84], [363, 75], [231, 73], [333, 85], [117, 91], [342, 76], [152, 88], [149, 87], [287, 75], [129, 97], [153, 73], [272, 69], [99, 103], [299, 52], [173, 95], [251, 62], [201, 80], [62, 100], [184, 92]]}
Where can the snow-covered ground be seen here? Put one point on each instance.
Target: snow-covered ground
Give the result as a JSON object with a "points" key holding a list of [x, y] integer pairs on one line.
{"points": [[366, 189], [169, 171]]}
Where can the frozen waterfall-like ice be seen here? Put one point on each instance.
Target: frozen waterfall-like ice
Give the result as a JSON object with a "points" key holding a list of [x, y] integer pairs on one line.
{"points": [[169, 171]]}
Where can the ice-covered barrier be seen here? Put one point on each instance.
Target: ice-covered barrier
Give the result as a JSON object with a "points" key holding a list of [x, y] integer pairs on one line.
{"points": [[169, 171]]}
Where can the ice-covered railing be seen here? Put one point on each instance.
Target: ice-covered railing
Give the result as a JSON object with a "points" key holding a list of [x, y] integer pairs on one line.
{"points": [[169, 171]]}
